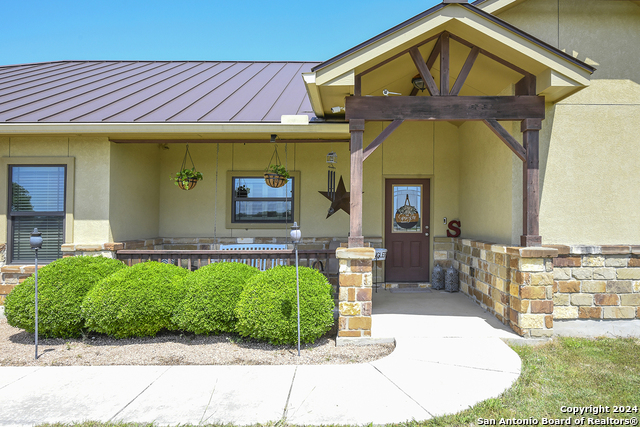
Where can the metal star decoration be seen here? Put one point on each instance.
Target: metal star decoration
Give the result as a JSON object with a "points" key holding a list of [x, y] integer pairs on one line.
{"points": [[341, 200]]}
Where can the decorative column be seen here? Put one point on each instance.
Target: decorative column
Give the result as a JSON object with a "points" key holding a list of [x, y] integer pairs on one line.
{"points": [[356, 127], [355, 295], [531, 184]]}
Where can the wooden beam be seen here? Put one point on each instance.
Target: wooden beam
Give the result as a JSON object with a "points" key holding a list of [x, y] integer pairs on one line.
{"points": [[381, 138], [357, 86], [507, 138], [444, 64], [434, 53], [491, 55], [387, 108], [397, 55], [527, 85], [356, 239], [424, 71], [432, 60], [531, 184], [464, 73]]}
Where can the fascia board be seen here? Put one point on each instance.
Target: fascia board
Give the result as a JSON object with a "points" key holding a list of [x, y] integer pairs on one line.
{"points": [[314, 93], [461, 15], [404, 36], [337, 129], [497, 6]]}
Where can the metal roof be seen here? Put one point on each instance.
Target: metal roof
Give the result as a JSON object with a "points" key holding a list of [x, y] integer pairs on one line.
{"points": [[153, 92]]}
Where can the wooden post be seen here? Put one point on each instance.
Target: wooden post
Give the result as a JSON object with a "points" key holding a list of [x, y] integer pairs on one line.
{"points": [[531, 184], [356, 127]]}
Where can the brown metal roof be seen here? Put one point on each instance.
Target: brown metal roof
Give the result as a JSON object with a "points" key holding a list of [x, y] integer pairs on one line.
{"points": [[152, 92]]}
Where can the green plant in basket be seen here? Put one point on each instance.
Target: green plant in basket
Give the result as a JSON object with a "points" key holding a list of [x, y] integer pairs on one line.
{"points": [[280, 170], [187, 178]]}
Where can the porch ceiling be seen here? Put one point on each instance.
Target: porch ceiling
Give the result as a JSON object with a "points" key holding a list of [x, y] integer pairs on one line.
{"points": [[558, 74]]}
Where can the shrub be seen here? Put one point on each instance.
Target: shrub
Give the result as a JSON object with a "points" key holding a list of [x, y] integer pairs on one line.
{"points": [[267, 307], [62, 285], [211, 294], [138, 301]]}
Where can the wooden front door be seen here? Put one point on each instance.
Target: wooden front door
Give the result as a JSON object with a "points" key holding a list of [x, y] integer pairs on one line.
{"points": [[407, 235]]}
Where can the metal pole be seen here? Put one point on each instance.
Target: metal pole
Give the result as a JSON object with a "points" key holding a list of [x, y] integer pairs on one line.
{"points": [[298, 296], [36, 304]]}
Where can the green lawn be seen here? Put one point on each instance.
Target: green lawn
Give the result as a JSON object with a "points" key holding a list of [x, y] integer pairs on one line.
{"points": [[565, 372]]}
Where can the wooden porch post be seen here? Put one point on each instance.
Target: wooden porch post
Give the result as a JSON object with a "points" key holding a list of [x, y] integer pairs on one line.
{"points": [[531, 184], [356, 127]]}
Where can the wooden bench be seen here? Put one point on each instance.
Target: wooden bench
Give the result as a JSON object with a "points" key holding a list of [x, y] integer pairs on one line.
{"points": [[260, 263]]}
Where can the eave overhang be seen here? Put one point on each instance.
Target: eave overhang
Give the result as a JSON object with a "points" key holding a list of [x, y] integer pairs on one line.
{"points": [[193, 131], [559, 74]]}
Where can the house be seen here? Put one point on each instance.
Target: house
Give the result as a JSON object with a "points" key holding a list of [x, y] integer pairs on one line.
{"points": [[498, 136]]}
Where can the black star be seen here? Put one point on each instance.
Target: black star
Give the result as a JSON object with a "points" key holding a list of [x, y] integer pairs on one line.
{"points": [[342, 199]]}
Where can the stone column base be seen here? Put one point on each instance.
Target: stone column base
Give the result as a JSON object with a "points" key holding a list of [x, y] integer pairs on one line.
{"points": [[355, 295]]}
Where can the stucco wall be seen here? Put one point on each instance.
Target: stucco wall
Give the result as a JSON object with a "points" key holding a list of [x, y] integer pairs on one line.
{"points": [[588, 145], [490, 186], [88, 222], [134, 191]]}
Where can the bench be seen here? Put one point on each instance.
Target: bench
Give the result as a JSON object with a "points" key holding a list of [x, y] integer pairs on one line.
{"points": [[260, 263]]}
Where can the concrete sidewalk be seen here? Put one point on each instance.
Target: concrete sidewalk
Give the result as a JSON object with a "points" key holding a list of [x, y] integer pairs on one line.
{"points": [[431, 372]]}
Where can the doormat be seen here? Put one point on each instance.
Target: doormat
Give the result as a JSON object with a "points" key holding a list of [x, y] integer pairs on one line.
{"points": [[409, 290]]}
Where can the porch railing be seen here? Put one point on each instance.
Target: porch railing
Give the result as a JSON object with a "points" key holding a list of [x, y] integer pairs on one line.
{"points": [[263, 259]]}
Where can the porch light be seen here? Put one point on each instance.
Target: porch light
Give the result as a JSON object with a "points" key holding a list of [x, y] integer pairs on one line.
{"points": [[418, 83], [295, 233]]}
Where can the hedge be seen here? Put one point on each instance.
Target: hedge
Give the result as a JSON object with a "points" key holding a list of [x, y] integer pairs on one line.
{"points": [[135, 302], [211, 294], [267, 308], [62, 286]]}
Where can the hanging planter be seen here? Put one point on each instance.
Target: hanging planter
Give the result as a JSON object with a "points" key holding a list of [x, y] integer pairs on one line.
{"points": [[276, 175], [187, 178], [407, 216], [242, 191]]}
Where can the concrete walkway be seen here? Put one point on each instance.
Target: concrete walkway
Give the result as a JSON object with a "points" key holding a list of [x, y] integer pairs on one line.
{"points": [[449, 356]]}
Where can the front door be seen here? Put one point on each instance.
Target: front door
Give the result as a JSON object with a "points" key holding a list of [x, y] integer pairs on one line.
{"points": [[407, 230]]}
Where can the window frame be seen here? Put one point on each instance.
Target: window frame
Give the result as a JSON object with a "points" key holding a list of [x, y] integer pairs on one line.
{"points": [[230, 206], [6, 226]]}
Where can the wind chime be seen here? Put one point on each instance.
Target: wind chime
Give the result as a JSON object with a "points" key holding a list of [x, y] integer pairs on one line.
{"points": [[331, 175]]}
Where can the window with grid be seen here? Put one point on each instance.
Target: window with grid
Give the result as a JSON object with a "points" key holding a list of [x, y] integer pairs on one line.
{"points": [[253, 201], [36, 200]]}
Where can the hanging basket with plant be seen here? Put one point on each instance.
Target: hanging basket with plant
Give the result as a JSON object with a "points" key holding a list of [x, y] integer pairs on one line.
{"points": [[187, 178], [276, 175]]}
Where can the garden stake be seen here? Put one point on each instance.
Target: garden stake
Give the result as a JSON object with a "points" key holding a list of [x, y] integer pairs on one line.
{"points": [[36, 243]]}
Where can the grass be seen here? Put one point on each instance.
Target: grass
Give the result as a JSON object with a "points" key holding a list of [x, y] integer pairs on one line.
{"points": [[564, 372]]}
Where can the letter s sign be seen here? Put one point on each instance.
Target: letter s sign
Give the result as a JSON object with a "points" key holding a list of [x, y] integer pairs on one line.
{"points": [[454, 229]]}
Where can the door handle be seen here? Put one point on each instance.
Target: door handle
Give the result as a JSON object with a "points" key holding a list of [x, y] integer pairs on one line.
{"points": [[426, 234]]}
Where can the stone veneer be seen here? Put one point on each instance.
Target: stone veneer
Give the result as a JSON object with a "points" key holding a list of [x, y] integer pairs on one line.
{"points": [[597, 282], [527, 288], [354, 304]]}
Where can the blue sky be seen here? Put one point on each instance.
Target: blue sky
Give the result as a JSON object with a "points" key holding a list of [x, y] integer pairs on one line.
{"points": [[52, 30]]}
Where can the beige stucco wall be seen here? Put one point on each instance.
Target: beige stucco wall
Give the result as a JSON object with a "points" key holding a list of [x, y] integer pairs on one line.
{"points": [[134, 191], [489, 177], [589, 145], [88, 221]]}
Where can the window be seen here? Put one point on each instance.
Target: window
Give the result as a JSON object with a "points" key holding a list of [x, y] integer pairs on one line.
{"points": [[253, 201], [36, 200]]}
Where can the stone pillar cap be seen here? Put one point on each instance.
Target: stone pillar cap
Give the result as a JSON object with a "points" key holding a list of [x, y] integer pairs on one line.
{"points": [[355, 253]]}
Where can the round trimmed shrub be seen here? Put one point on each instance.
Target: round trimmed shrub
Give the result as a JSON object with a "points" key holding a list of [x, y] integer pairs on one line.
{"points": [[211, 294], [135, 302], [62, 286], [267, 308]]}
